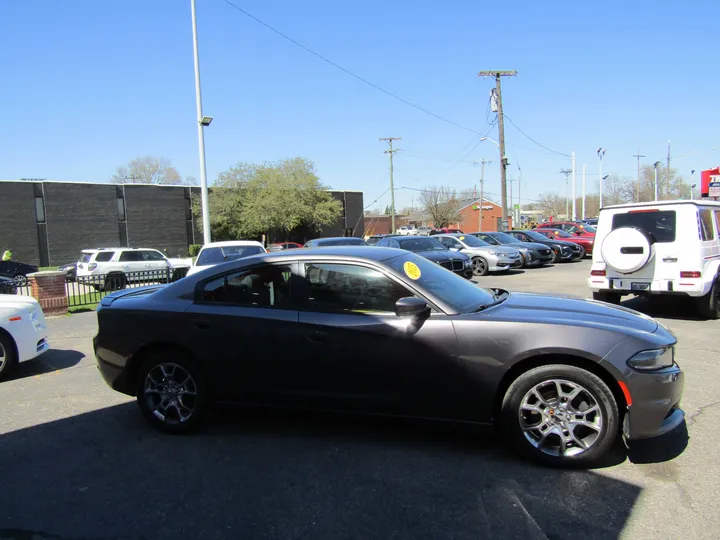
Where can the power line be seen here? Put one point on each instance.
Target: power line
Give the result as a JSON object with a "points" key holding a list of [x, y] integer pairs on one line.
{"points": [[533, 140], [347, 71]]}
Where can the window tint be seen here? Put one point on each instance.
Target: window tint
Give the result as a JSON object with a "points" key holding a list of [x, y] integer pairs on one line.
{"points": [[420, 244], [659, 224], [351, 289], [220, 254], [473, 241], [130, 256], [450, 242], [85, 258], [490, 240], [104, 256], [267, 286], [706, 220], [349, 241], [152, 256]]}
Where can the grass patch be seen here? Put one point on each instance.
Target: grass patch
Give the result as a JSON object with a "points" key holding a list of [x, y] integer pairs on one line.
{"points": [[82, 309], [87, 302]]}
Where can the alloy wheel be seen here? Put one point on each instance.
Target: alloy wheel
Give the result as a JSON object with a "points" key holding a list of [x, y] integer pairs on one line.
{"points": [[20, 280], [561, 418], [479, 266], [170, 393]]}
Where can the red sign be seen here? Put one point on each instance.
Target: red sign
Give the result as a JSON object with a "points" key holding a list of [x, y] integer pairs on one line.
{"points": [[705, 180]]}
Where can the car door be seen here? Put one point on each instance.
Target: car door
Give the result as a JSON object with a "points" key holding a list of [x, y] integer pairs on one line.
{"points": [[155, 263], [360, 354], [245, 324]]}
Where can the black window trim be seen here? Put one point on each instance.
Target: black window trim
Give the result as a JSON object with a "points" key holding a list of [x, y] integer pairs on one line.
{"points": [[293, 264], [302, 287]]}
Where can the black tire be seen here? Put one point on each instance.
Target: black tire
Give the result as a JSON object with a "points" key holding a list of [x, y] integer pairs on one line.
{"points": [[554, 259], [114, 282], [20, 280], [709, 305], [582, 254], [8, 358], [596, 394], [479, 266], [608, 297], [150, 401], [523, 261]]}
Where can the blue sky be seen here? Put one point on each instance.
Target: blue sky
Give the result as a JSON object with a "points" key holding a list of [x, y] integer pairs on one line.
{"points": [[90, 85]]}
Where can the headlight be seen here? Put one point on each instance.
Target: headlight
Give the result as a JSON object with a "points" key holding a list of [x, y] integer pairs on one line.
{"points": [[653, 359], [496, 253], [468, 262]]}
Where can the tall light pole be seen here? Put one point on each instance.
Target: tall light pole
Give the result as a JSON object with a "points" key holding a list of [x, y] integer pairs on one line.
{"points": [[504, 162], [482, 190], [202, 121], [601, 154], [574, 203], [566, 172], [583, 191], [692, 177], [656, 165]]}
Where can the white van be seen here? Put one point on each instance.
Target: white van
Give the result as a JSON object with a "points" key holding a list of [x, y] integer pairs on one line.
{"points": [[659, 248]]}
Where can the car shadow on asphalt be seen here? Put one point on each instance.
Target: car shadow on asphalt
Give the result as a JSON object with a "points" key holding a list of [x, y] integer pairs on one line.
{"points": [[52, 360], [660, 449], [266, 474], [665, 307]]}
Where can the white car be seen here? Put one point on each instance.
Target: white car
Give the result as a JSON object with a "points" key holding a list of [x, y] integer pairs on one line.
{"points": [[220, 252], [485, 257], [23, 333], [102, 267], [659, 248], [408, 230]]}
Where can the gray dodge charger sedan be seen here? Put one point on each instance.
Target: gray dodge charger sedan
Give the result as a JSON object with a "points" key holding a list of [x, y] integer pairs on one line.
{"points": [[385, 331]]}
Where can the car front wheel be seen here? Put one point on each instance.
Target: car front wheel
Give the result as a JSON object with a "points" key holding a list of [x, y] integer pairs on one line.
{"points": [[709, 305], [560, 415], [8, 360], [171, 392]]}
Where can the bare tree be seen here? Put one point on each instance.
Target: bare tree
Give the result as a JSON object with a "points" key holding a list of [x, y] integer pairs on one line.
{"points": [[147, 170], [551, 204], [442, 205]]}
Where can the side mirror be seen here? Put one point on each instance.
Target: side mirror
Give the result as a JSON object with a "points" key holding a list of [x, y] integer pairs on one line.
{"points": [[411, 306]]}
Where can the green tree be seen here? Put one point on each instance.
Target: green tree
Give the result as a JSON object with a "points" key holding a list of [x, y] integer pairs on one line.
{"points": [[248, 200]]}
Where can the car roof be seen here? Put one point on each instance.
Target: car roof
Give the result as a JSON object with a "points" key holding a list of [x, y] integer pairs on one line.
{"points": [[350, 252], [98, 250], [234, 243], [700, 202]]}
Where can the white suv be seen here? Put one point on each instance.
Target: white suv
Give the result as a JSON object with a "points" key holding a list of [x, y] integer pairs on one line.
{"points": [[409, 230], [659, 248], [103, 267]]}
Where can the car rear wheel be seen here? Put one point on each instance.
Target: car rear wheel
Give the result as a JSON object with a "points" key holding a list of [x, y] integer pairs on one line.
{"points": [[8, 360], [610, 298], [171, 392], [560, 415], [479, 266], [114, 282], [709, 305]]}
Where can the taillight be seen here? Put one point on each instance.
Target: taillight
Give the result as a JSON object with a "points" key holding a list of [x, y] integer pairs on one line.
{"points": [[597, 272], [690, 274], [92, 266]]}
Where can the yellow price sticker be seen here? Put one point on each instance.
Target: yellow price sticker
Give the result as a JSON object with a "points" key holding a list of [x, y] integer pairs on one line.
{"points": [[411, 270], [462, 238]]}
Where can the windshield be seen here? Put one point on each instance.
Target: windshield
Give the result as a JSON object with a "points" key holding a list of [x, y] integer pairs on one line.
{"points": [[534, 235], [420, 244], [349, 241], [589, 228], [472, 241], [462, 295], [558, 233], [504, 238], [221, 254], [660, 224]]}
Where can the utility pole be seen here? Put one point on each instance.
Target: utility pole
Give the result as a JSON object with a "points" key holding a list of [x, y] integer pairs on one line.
{"points": [[667, 176], [583, 191], [482, 191], [512, 208], [390, 152], [566, 172], [574, 204], [601, 154], [637, 189], [501, 134]]}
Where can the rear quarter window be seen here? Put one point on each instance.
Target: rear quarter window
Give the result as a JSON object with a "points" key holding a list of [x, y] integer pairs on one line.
{"points": [[706, 225], [658, 224]]}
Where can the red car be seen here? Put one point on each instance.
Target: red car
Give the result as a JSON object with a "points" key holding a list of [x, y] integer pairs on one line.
{"points": [[281, 246], [587, 241], [573, 227]]}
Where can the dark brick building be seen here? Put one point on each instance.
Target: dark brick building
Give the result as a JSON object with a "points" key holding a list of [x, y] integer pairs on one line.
{"points": [[49, 223]]}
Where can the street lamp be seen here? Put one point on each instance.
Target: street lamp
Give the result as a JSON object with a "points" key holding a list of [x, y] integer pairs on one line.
{"points": [[692, 195], [202, 121], [601, 153], [656, 165]]}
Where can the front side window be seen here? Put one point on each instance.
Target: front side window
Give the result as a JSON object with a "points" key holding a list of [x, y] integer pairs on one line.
{"points": [[349, 288], [85, 258], [524, 238], [152, 256], [266, 286], [490, 240], [658, 224], [450, 242], [420, 244]]}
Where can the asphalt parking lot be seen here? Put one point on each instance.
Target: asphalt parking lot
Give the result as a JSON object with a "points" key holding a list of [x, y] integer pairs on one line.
{"points": [[78, 461]]}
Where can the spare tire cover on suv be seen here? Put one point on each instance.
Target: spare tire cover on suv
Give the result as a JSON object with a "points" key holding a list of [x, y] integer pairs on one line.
{"points": [[626, 250]]}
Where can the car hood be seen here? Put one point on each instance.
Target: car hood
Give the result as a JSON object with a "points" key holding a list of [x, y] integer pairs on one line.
{"points": [[546, 308], [12, 301], [437, 255], [528, 245]]}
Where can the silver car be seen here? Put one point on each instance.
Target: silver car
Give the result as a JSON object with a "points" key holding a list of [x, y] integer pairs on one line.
{"points": [[485, 257]]}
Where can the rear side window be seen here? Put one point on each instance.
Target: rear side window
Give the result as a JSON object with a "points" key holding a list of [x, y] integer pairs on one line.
{"points": [[706, 225], [104, 256], [659, 224]]}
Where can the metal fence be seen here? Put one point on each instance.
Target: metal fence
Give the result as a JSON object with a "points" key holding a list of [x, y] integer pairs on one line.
{"points": [[88, 290]]}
